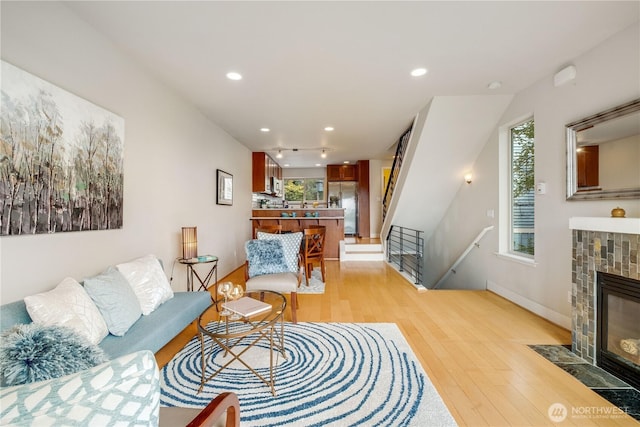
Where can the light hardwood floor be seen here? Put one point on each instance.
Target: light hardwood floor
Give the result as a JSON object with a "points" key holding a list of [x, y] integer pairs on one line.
{"points": [[472, 345]]}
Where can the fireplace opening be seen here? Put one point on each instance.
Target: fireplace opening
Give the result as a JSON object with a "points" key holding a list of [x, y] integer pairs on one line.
{"points": [[618, 333]]}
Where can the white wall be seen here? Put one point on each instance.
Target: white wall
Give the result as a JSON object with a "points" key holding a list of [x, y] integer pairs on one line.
{"points": [[170, 161], [606, 76], [620, 163]]}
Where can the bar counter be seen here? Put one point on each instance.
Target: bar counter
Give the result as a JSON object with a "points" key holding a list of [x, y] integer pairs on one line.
{"points": [[331, 218]]}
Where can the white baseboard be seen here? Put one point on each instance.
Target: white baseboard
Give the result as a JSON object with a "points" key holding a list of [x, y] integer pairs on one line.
{"points": [[534, 307]]}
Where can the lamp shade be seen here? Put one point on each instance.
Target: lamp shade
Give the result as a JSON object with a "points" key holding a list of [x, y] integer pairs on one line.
{"points": [[189, 242]]}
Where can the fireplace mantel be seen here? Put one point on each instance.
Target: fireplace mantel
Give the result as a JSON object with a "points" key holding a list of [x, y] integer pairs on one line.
{"points": [[607, 245], [606, 224]]}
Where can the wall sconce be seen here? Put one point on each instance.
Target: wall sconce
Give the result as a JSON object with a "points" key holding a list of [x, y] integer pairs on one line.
{"points": [[468, 178], [323, 154], [279, 155], [189, 242]]}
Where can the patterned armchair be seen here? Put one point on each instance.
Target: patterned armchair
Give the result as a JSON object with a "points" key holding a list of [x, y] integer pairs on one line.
{"points": [[124, 391], [274, 264]]}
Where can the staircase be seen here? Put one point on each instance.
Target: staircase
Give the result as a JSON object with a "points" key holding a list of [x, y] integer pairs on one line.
{"points": [[352, 251]]}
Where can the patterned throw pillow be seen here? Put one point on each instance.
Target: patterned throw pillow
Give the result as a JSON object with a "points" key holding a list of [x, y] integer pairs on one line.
{"points": [[265, 257], [290, 246], [68, 304], [33, 352]]}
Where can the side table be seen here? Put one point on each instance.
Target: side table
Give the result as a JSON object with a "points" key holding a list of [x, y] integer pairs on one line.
{"points": [[191, 271]]}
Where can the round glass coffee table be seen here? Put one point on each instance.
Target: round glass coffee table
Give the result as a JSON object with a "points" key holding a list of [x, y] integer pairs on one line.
{"points": [[238, 332]]}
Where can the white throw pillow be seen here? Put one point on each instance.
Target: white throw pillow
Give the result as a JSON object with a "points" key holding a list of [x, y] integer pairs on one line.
{"points": [[68, 304], [149, 283]]}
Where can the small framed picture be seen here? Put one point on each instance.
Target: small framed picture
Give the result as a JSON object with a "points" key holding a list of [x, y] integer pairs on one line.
{"points": [[224, 194]]}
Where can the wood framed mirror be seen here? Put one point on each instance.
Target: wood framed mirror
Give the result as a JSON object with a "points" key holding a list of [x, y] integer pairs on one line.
{"points": [[603, 154]]}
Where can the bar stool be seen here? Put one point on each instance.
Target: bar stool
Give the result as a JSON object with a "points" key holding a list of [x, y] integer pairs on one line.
{"points": [[313, 249]]}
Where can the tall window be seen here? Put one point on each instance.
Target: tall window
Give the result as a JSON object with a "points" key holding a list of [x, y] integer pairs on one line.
{"points": [[522, 197], [303, 190]]}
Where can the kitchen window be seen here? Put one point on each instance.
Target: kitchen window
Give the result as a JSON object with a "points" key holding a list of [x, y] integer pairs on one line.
{"points": [[304, 190]]}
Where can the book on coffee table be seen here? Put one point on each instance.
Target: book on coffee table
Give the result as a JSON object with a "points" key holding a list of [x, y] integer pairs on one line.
{"points": [[246, 306]]}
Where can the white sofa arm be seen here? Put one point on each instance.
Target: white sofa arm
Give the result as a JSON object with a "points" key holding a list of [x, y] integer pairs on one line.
{"points": [[123, 391]]}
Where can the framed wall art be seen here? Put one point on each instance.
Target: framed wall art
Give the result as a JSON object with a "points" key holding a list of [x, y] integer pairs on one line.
{"points": [[61, 159], [386, 173], [224, 195]]}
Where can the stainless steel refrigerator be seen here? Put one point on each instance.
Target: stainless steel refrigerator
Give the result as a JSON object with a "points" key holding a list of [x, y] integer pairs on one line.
{"points": [[344, 195]]}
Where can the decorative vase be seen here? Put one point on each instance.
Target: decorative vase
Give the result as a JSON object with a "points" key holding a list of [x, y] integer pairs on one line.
{"points": [[617, 212]]}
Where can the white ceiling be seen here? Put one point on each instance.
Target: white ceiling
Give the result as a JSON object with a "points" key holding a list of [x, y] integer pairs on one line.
{"points": [[307, 65]]}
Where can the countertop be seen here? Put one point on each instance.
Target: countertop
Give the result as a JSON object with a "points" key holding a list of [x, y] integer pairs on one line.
{"points": [[298, 209], [297, 217]]}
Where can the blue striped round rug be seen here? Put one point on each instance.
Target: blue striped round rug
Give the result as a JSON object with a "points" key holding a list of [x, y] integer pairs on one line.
{"points": [[333, 374]]}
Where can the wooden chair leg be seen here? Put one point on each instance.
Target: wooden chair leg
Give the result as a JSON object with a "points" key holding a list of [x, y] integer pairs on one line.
{"points": [[322, 268], [294, 306]]}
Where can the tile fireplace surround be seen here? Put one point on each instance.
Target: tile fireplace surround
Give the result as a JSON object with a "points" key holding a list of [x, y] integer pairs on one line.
{"points": [[610, 245]]}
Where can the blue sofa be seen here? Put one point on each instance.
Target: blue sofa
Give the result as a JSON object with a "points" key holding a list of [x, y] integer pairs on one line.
{"points": [[150, 332], [127, 389]]}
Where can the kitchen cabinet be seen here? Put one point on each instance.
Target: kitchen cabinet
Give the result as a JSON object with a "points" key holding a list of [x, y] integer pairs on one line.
{"points": [[588, 159], [342, 172], [265, 172]]}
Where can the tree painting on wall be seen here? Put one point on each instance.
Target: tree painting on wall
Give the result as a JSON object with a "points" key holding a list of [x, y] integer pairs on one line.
{"points": [[61, 159]]}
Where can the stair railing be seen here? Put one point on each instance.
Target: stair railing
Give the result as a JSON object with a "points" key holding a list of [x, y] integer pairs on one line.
{"points": [[474, 244], [405, 249], [403, 142]]}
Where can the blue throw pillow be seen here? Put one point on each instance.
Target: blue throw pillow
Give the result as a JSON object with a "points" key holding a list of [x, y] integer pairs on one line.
{"points": [[265, 257], [33, 352], [290, 246], [116, 300]]}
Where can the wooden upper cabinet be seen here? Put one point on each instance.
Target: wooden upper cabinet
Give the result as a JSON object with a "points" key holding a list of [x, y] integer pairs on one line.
{"points": [[342, 172], [588, 171], [264, 168], [364, 217]]}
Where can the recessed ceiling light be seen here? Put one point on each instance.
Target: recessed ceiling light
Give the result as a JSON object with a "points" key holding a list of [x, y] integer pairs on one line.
{"points": [[419, 72], [346, 162], [286, 165], [318, 164], [264, 129], [232, 75], [329, 128], [494, 85]]}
